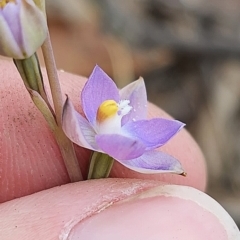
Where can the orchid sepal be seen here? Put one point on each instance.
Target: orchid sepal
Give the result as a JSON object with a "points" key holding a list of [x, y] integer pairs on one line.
{"points": [[153, 162]]}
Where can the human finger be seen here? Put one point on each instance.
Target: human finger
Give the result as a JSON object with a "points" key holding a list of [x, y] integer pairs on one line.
{"points": [[116, 209]]}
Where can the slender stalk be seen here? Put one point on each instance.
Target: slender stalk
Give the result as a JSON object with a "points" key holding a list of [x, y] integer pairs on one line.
{"points": [[53, 78], [100, 165], [65, 145], [69, 155]]}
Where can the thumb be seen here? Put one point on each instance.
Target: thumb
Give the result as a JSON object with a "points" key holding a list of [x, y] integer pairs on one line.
{"points": [[116, 209]]}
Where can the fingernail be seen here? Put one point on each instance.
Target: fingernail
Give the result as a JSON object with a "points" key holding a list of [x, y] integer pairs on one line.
{"points": [[165, 212]]}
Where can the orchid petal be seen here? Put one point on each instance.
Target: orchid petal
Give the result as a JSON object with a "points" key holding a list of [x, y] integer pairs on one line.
{"points": [[135, 92], [120, 147], [152, 162], [99, 87], [154, 132], [77, 128]]}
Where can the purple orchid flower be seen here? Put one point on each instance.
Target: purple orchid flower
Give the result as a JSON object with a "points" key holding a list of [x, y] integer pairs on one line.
{"points": [[116, 124]]}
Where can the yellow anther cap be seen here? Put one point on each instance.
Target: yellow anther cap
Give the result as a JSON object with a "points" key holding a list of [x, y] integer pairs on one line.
{"points": [[106, 110]]}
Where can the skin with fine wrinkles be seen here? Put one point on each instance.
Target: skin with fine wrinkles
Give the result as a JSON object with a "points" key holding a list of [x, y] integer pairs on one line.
{"points": [[116, 209], [63, 210]]}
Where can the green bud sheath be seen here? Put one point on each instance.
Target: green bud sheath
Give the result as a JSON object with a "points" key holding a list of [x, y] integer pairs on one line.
{"points": [[30, 72]]}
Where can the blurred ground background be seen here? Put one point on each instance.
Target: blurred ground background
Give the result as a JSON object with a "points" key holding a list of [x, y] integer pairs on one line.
{"points": [[188, 52]]}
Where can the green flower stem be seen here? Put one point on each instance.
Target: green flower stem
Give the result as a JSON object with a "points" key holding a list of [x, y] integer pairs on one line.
{"points": [[43, 108], [69, 155], [65, 145], [30, 72], [100, 165]]}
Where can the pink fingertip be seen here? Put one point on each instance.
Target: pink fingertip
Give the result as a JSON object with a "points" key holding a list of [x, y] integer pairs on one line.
{"points": [[163, 216]]}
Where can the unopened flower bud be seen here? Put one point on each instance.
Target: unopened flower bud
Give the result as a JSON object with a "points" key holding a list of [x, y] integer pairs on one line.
{"points": [[23, 28]]}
